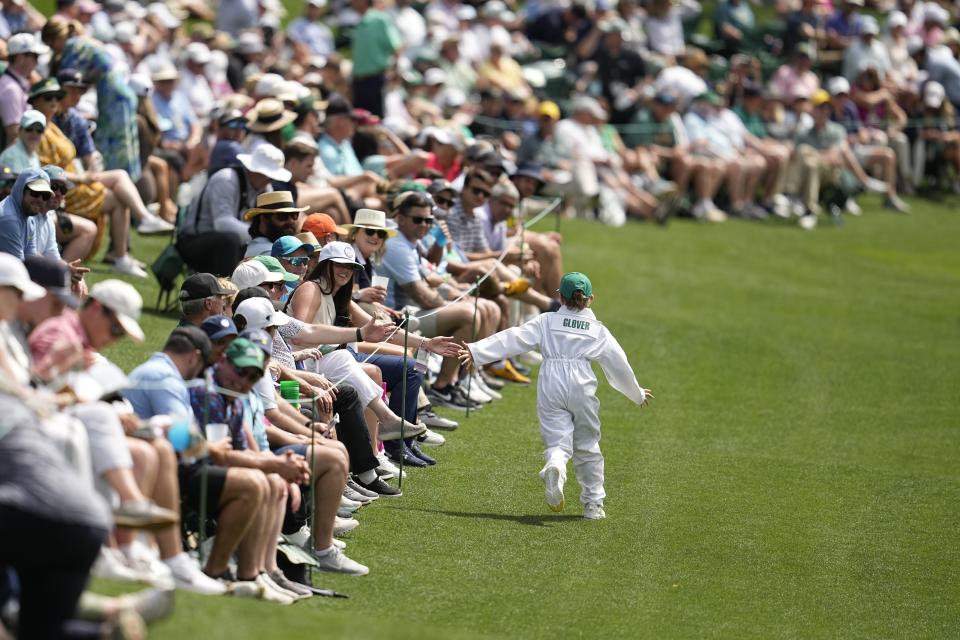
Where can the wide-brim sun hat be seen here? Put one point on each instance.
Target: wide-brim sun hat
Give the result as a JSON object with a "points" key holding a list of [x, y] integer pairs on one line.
{"points": [[371, 219], [269, 115], [273, 202], [266, 160]]}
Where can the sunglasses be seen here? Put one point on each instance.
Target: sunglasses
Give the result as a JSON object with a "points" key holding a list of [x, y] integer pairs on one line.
{"points": [[446, 203], [480, 193], [48, 97], [59, 187], [273, 286], [41, 195], [380, 233], [297, 261], [116, 329], [288, 215], [34, 129], [250, 374], [421, 220]]}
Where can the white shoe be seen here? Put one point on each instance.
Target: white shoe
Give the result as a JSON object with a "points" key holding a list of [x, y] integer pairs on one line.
{"points": [[275, 586], [475, 394], [713, 214], [485, 388], [270, 592], [344, 525], [797, 209], [780, 205], [852, 207], [553, 477], [110, 565], [188, 576], [432, 439], [355, 495], [301, 538], [594, 511], [530, 358], [154, 224], [386, 465], [349, 505], [243, 589], [808, 223], [146, 560], [128, 267], [335, 560], [875, 186]]}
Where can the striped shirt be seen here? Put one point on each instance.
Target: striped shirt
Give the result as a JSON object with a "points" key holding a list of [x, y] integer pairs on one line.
{"points": [[468, 231]]}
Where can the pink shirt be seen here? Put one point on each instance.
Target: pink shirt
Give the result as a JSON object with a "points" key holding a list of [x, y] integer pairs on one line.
{"points": [[13, 98], [788, 84], [56, 331]]}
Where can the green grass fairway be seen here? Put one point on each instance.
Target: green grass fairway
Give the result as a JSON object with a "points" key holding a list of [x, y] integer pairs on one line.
{"points": [[796, 477]]}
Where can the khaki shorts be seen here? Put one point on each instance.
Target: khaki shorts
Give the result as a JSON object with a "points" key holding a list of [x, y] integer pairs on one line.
{"points": [[428, 322]]}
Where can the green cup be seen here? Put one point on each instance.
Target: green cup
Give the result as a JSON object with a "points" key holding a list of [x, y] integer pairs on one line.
{"points": [[290, 391]]}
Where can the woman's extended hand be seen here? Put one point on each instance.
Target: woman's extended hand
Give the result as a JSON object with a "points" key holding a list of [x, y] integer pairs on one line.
{"points": [[375, 330], [443, 346]]}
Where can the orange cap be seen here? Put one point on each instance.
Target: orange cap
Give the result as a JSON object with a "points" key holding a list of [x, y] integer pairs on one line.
{"points": [[320, 224]]}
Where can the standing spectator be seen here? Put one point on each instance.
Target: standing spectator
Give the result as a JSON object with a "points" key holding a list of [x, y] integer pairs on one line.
{"points": [[844, 25], [309, 33], [23, 51], [621, 71], [805, 25], [665, 26], [796, 77], [374, 44], [194, 83]]}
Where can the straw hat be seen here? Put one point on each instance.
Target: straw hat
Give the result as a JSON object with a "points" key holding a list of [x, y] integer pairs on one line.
{"points": [[269, 115], [371, 219], [273, 202]]}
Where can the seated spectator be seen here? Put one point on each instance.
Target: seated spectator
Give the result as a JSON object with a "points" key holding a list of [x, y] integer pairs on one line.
{"points": [[230, 137], [266, 122], [180, 128], [845, 25], [805, 25], [294, 254], [310, 35], [867, 50], [936, 144], [273, 217], [75, 235], [664, 26], [22, 154], [201, 296], [734, 24], [23, 52], [212, 237], [796, 77]]}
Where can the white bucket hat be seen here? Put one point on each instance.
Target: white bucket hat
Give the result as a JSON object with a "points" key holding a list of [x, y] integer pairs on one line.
{"points": [[266, 160], [14, 274]]}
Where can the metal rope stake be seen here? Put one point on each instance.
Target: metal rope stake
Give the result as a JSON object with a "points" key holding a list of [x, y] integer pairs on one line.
{"points": [[403, 398], [311, 513], [473, 336]]}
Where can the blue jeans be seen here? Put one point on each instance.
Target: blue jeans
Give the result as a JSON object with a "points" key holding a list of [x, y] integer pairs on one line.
{"points": [[392, 369]]}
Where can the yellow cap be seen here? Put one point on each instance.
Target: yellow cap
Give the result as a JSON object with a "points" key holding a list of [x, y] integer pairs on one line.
{"points": [[550, 109], [820, 97]]}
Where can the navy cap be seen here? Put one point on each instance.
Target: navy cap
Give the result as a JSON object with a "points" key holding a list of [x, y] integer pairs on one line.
{"points": [[260, 338], [54, 276], [217, 327]]}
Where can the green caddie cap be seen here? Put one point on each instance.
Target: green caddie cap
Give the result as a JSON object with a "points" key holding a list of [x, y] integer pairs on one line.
{"points": [[243, 353], [575, 281], [272, 264]]}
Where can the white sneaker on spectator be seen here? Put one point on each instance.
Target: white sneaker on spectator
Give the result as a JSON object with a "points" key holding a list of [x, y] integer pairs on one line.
{"points": [[530, 358], [431, 439], [433, 421], [301, 591], [111, 566], [353, 493], [385, 464], [128, 267], [482, 385], [472, 391], [243, 588], [714, 214], [153, 224], [335, 560], [188, 576], [349, 505], [267, 579], [344, 525], [270, 592], [874, 185], [146, 560], [852, 207]]}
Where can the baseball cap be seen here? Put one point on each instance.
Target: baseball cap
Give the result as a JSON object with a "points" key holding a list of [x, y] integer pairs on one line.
{"points": [[14, 274], [198, 338], [200, 286], [838, 85], [320, 224], [121, 298], [57, 174], [549, 109], [273, 266], [575, 281], [285, 245], [40, 184], [243, 353], [260, 338], [252, 274], [339, 106], [341, 253], [933, 94], [869, 26], [820, 98], [260, 314], [217, 327], [54, 276], [31, 117], [25, 43]]}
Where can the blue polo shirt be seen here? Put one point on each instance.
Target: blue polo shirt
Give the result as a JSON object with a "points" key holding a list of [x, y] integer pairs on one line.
{"points": [[401, 263], [339, 158], [165, 393]]}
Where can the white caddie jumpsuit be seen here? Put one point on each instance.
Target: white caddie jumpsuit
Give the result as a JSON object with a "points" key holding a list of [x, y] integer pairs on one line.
{"points": [[567, 403]]}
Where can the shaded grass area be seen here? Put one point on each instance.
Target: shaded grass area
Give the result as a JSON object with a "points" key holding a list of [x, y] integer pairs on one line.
{"points": [[796, 476]]}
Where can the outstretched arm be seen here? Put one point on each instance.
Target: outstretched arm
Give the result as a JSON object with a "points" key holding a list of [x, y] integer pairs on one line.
{"points": [[507, 343], [616, 368]]}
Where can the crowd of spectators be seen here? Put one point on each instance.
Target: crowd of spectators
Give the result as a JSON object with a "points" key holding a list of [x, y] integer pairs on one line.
{"points": [[341, 184]]}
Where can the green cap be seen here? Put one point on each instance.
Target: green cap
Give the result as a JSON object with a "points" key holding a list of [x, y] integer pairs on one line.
{"points": [[575, 281], [272, 264], [711, 97], [243, 353]]}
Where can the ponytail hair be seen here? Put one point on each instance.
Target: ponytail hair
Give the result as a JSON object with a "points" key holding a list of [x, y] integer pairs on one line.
{"points": [[577, 302]]}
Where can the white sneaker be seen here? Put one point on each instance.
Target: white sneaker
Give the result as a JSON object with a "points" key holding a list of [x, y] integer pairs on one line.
{"points": [[432, 439], [188, 576], [852, 207], [146, 560], [808, 223], [335, 560], [553, 478], [301, 538], [243, 588], [344, 525], [482, 385], [713, 214], [349, 505], [110, 565], [780, 205], [355, 495], [475, 394], [270, 592], [875, 186], [594, 511], [128, 267], [386, 465], [268, 580], [154, 224], [530, 358]]}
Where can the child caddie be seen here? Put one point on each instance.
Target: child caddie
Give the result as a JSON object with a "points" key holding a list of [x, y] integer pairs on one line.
{"points": [[567, 403]]}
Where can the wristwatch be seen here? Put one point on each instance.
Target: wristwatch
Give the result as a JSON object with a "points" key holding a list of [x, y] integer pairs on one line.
{"points": [[355, 296]]}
